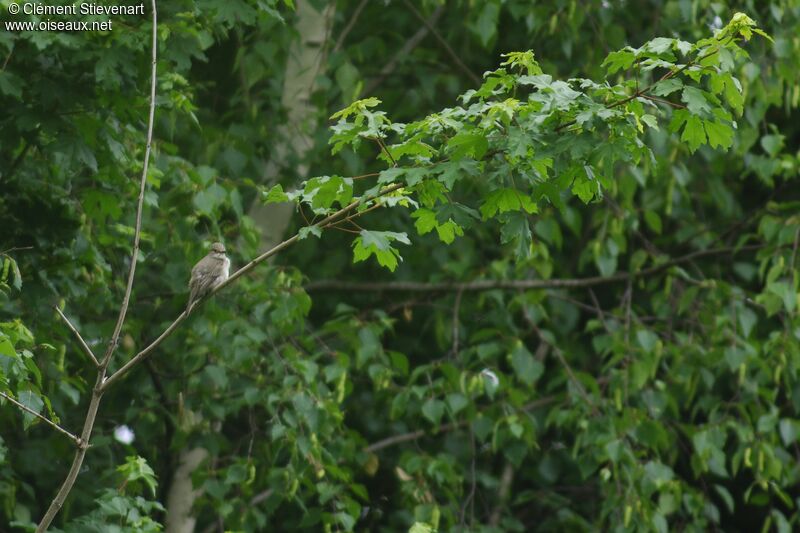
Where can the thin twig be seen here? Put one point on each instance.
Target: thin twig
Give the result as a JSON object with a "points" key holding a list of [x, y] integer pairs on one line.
{"points": [[663, 101], [112, 344], [504, 490], [15, 249], [350, 25], [470, 501], [43, 418], [414, 435], [17, 160], [599, 310], [350, 217], [456, 312], [574, 379], [628, 298], [561, 359], [386, 151], [85, 347], [452, 53], [407, 48], [515, 284], [8, 58]]}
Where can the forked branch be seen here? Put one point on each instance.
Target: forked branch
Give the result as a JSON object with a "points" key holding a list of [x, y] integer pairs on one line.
{"points": [[97, 392]]}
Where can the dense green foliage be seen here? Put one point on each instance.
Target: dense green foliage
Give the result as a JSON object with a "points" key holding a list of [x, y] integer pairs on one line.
{"points": [[564, 295]]}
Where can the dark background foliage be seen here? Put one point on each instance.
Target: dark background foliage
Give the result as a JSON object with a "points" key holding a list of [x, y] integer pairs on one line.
{"points": [[670, 401]]}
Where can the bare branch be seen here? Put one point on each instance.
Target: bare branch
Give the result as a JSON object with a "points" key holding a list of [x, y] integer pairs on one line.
{"points": [[85, 347], [16, 249], [44, 419], [97, 391], [112, 344], [516, 284], [405, 437]]}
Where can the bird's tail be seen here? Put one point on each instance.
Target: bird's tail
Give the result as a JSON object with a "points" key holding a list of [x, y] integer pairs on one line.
{"points": [[192, 300]]}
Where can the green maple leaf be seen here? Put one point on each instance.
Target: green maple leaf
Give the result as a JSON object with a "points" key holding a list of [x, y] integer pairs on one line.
{"points": [[693, 133]]}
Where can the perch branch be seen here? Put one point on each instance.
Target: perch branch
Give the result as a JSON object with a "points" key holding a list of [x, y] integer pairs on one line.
{"points": [[322, 224], [85, 347]]}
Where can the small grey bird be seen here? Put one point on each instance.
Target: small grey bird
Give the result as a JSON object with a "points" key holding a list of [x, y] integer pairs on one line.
{"points": [[208, 274]]}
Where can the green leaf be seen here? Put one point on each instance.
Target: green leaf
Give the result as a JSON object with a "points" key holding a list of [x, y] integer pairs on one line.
{"points": [[659, 45], [448, 231], [378, 243], [304, 232], [356, 108], [468, 145], [733, 94], [719, 134], [209, 198], [619, 60], [653, 221], [693, 133], [517, 229], [218, 375], [433, 410], [456, 401], [772, 144], [504, 200], [696, 101], [10, 84], [658, 473], [322, 192], [667, 87], [17, 283], [526, 367], [136, 469], [32, 401], [647, 339], [420, 527], [275, 195], [485, 27], [726, 497], [747, 320], [7, 349], [426, 220]]}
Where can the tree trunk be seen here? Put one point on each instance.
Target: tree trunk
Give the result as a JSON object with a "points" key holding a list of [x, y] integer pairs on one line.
{"points": [[305, 62], [181, 495]]}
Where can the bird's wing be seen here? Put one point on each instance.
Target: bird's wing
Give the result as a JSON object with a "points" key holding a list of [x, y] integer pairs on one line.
{"points": [[201, 269]]}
